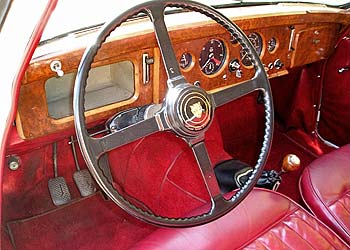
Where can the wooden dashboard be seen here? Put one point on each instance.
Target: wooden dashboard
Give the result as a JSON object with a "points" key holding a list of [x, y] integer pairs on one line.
{"points": [[302, 37]]}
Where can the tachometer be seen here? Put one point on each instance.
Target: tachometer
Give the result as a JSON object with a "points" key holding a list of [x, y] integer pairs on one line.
{"points": [[257, 43], [212, 56]]}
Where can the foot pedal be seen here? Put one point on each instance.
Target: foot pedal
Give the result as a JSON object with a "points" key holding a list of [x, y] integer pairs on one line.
{"points": [[59, 191], [82, 178], [58, 188], [84, 182]]}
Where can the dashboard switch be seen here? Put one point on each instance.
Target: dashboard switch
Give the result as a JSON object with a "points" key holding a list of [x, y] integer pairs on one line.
{"points": [[146, 62], [278, 64], [56, 66], [234, 65]]}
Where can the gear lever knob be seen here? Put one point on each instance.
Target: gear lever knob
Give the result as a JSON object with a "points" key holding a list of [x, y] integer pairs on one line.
{"points": [[290, 163]]}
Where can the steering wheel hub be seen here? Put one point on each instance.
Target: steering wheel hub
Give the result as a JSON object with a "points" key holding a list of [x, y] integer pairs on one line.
{"points": [[189, 110]]}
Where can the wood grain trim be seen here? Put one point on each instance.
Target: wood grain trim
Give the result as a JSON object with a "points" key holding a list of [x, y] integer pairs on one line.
{"points": [[314, 43], [144, 40], [33, 121]]}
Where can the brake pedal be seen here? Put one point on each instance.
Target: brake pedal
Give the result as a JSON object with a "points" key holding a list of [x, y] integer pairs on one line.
{"points": [[58, 188], [82, 178]]}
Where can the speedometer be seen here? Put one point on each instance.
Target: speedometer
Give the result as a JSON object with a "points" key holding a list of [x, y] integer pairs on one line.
{"points": [[212, 56], [257, 43]]}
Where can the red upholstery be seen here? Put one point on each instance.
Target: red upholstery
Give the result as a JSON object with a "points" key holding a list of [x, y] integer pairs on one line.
{"points": [[325, 188], [264, 220], [334, 121], [168, 162]]}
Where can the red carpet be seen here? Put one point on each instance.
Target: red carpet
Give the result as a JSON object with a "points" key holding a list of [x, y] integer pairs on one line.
{"points": [[91, 223]]}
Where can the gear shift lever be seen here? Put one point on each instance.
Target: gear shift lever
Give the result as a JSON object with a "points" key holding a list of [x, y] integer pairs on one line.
{"points": [[233, 174], [290, 163], [271, 179]]}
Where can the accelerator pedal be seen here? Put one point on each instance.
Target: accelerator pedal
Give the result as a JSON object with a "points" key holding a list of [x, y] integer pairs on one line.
{"points": [[82, 178], [58, 188]]}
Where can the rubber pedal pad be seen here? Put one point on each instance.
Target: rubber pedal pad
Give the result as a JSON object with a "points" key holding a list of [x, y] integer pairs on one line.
{"points": [[59, 191], [84, 182]]}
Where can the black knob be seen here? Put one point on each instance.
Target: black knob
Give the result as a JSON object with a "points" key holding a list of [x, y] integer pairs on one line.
{"points": [[278, 64], [234, 65]]}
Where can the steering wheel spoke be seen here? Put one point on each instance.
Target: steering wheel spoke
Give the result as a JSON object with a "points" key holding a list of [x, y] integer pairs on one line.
{"points": [[156, 14], [129, 134], [218, 202], [236, 91], [207, 171]]}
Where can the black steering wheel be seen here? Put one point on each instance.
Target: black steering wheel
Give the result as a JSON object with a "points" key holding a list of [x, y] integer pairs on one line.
{"points": [[175, 114]]}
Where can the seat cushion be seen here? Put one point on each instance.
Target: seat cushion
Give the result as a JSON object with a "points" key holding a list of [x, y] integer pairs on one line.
{"points": [[264, 220], [325, 188]]}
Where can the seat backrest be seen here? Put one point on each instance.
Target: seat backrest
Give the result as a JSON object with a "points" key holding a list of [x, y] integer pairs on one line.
{"points": [[325, 188]]}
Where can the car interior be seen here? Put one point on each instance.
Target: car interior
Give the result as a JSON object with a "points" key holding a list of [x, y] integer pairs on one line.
{"points": [[177, 125]]}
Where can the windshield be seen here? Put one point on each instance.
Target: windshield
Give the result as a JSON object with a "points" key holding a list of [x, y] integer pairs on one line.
{"points": [[77, 15]]}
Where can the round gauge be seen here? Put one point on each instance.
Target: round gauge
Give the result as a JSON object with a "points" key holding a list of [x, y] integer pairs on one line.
{"points": [[212, 56], [185, 60], [271, 44], [257, 43]]}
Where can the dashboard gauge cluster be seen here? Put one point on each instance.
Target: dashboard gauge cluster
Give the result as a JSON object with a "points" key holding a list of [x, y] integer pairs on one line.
{"points": [[213, 54]]}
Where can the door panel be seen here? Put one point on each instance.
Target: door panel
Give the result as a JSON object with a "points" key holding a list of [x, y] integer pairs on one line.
{"points": [[334, 124]]}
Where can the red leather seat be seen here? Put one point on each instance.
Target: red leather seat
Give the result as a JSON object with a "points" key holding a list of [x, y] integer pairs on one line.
{"points": [[325, 188], [264, 220]]}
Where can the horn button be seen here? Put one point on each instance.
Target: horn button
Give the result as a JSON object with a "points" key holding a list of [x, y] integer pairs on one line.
{"points": [[189, 110]]}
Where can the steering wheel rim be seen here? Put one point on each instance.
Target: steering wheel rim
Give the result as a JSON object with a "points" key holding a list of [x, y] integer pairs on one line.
{"points": [[171, 116]]}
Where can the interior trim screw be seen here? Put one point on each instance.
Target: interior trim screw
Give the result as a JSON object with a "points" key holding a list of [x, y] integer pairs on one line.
{"points": [[13, 163]]}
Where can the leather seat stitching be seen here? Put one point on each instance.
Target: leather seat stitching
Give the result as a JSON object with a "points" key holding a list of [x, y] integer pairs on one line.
{"points": [[320, 232], [300, 236], [330, 213], [275, 235], [340, 221], [302, 194], [272, 225], [339, 198], [262, 243]]}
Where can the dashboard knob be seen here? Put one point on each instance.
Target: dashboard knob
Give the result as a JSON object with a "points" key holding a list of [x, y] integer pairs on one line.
{"points": [[278, 64], [234, 65]]}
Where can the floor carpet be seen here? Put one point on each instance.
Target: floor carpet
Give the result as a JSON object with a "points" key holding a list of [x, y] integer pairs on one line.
{"points": [[91, 223]]}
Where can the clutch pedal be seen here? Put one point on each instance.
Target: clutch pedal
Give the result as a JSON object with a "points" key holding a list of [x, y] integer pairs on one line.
{"points": [[82, 178], [58, 188]]}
